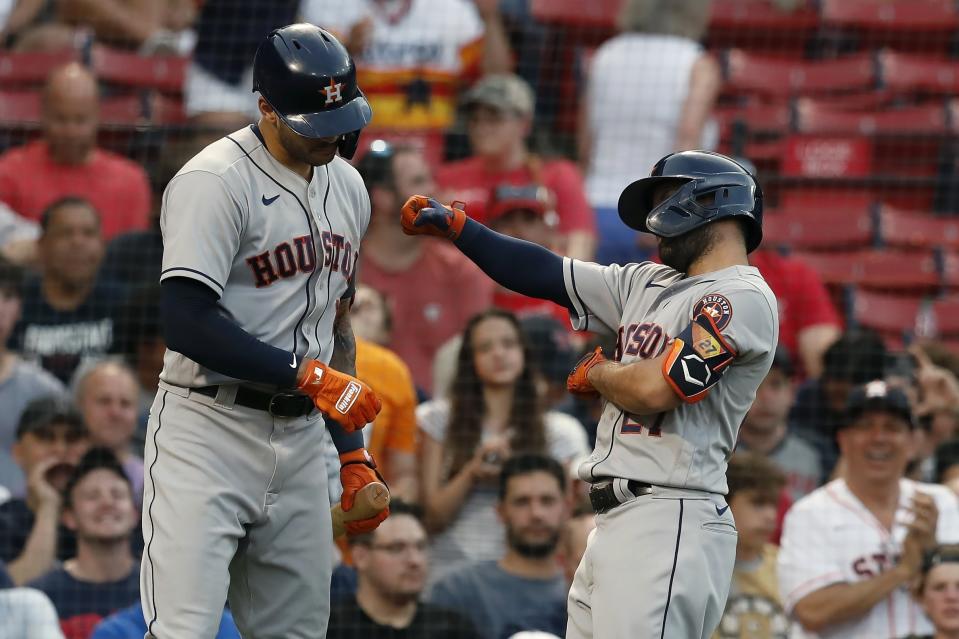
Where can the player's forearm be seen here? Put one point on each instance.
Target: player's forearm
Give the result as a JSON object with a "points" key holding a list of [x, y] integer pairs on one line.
{"points": [[523, 267], [845, 602], [637, 387], [343, 359], [39, 552]]}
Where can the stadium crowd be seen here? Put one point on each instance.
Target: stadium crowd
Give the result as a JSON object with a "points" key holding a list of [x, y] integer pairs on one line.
{"points": [[845, 482]]}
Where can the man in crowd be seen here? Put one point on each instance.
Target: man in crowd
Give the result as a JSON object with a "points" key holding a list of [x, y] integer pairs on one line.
{"points": [[430, 287], [51, 439], [66, 160], [851, 549], [765, 430], [391, 565], [526, 588], [103, 576], [68, 313]]}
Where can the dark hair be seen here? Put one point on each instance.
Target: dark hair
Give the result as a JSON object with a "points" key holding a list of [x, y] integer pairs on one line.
{"points": [[752, 471], [858, 356], [467, 404], [46, 411], [942, 554], [97, 458], [68, 200], [946, 456], [397, 507], [526, 463], [376, 165], [138, 320], [11, 278]]}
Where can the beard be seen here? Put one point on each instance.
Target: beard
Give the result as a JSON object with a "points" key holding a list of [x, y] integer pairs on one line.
{"points": [[680, 252], [532, 550]]}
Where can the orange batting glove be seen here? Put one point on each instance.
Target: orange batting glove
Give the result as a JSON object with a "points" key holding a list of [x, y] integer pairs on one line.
{"points": [[423, 215], [344, 398], [578, 381], [357, 469]]}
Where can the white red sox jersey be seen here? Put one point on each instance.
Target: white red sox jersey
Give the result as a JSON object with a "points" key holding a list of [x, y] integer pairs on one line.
{"points": [[279, 251], [648, 305], [830, 537]]}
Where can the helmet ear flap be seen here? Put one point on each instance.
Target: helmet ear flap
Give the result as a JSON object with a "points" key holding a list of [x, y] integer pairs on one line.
{"points": [[348, 143]]}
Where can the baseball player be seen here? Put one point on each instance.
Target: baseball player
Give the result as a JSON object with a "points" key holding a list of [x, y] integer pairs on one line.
{"points": [[696, 336], [261, 232]]}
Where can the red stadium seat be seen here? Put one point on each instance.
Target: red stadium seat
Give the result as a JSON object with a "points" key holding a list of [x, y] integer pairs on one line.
{"points": [[20, 108], [758, 25], [903, 72], [122, 111], [595, 13], [908, 229], [818, 228], [914, 15], [19, 69], [164, 73], [945, 315], [827, 157], [878, 269], [811, 117], [756, 117], [888, 314], [747, 72]]}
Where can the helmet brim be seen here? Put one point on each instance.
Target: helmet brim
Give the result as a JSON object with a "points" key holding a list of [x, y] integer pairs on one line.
{"points": [[636, 200], [352, 116]]}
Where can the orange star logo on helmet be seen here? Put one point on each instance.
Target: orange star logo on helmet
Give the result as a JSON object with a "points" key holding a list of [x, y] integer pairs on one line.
{"points": [[333, 92]]}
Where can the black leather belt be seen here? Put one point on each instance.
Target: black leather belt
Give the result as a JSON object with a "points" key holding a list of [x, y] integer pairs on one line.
{"points": [[284, 404], [603, 498]]}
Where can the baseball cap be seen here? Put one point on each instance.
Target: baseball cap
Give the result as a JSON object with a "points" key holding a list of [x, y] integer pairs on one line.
{"points": [[878, 395], [44, 411], [501, 91], [506, 198]]}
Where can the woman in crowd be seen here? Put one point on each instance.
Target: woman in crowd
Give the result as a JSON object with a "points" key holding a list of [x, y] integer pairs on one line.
{"points": [[493, 411]]}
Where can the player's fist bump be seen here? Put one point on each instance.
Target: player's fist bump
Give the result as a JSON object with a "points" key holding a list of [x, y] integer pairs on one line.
{"points": [[357, 469], [342, 397], [423, 215], [578, 381]]}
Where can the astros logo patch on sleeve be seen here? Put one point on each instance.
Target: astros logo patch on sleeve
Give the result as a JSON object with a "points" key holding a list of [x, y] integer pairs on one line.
{"points": [[717, 307]]}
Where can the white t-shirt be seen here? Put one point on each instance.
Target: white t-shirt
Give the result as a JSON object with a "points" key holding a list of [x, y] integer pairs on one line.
{"points": [[830, 537], [476, 533], [28, 613], [637, 86]]}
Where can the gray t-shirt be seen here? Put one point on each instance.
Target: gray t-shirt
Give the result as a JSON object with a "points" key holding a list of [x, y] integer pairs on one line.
{"points": [[501, 604], [649, 305]]}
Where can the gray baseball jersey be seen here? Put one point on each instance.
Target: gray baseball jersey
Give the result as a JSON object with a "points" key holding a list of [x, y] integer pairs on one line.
{"points": [[237, 220], [647, 305]]}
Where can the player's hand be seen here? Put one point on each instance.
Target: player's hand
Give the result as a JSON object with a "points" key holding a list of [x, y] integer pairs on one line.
{"points": [[344, 398], [578, 381], [423, 215], [357, 469]]}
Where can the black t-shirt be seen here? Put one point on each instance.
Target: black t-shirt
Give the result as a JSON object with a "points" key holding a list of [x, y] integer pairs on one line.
{"points": [[348, 621], [60, 340], [16, 522], [133, 259], [81, 602]]}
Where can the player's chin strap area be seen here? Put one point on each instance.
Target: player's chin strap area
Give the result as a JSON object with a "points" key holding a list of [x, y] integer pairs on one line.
{"points": [[698, 359]]}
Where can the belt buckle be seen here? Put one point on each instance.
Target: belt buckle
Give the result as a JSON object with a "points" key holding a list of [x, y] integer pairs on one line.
{"points": [[274, 407]]}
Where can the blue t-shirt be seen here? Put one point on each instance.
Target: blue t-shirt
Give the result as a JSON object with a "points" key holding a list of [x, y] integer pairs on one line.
{"points": [[130, 624], [500, 604], [84, 602]]}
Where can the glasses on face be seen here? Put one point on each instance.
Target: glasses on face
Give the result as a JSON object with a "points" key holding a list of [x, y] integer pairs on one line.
{"points": [[399, 548]]}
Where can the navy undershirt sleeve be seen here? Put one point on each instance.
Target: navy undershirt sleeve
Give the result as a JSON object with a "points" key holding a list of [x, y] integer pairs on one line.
{"points": [[195, 325], [521, 266]]}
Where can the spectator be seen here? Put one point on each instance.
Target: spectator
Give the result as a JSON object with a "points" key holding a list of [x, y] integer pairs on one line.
{"points": [[130, 624], [525, 588], [431, 288], [938, 592], [575, 537], [370, 316], [499, 118], [20, 381], [555, 354], [27, 613], [664, 107], [51, 439], [857, 357], [106, 393], [493, 411], [754, 608], [412, 56], [31, 25], [18, 237], [66, 161], [103, 576], [850, 548], [937, 408], [219, 80], [68, 313], [947, 465], [391, 566], [765, 431], [150, 26]]}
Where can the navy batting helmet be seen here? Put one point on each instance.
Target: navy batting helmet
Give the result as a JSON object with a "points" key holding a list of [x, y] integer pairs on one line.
{"points": [[711, 187], [309, 79]]}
